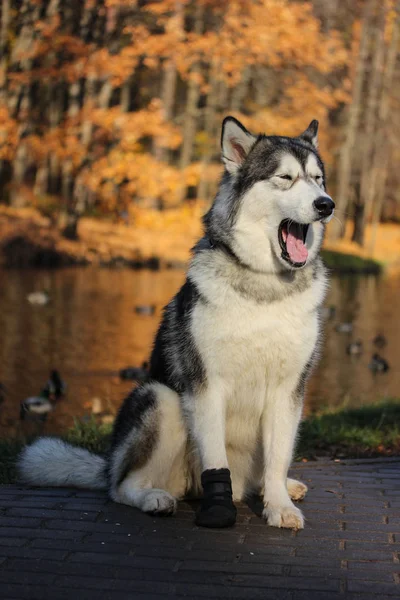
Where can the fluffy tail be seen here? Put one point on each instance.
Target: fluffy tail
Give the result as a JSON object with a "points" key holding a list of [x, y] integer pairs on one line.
{"points": [[52, 462]]}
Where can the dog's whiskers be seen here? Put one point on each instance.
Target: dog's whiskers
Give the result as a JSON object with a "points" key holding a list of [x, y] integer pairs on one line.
{"points": [[340, 223]]}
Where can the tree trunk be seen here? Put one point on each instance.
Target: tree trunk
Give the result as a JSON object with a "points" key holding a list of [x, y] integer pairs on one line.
{"points": [[105, 94], [5, 20], [168, 85], [370, 126], [358, 231], [381, 155], [125, 99], [169, 80], [73, 100], [209, 129], [240, 90], [87, 125], [192, 99], [326, 11], [345, 162]]}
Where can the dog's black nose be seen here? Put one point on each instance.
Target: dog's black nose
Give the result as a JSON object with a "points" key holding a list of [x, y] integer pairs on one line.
{"points": [[324, 206]]}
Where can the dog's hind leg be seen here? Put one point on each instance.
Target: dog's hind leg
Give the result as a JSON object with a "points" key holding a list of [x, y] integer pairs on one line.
{"points": [[147, 463], [297, 490]]}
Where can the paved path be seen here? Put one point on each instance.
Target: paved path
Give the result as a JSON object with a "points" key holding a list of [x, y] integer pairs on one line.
{"points": [[76, 545]]}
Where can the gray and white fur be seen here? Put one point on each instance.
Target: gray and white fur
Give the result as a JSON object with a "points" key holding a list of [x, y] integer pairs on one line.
{"points": [[234, 348]]}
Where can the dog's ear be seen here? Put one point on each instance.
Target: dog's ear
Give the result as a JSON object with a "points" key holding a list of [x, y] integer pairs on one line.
{"points": [[310, 135], [236, 143]]}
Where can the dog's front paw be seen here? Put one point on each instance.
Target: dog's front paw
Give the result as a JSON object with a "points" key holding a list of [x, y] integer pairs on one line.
{"points": [[217, 508], [284, 516]]}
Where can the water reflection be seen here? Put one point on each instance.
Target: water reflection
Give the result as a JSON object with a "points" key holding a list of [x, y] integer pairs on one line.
{"points": [[89, 330]]}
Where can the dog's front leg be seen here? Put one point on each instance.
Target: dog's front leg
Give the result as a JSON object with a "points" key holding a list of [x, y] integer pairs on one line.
{"points": [[208, 429], [280, 422]]}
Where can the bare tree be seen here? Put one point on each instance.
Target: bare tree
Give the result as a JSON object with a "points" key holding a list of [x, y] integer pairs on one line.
{"points": [[344, 167], [368, 138], [380, 161], [192, 100]]}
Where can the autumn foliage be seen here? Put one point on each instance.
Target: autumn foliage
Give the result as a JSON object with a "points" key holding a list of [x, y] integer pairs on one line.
{"points": [[110, 104]]}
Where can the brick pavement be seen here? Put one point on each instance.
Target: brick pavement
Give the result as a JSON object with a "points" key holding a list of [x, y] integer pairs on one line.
{"points": [[76, 545]]}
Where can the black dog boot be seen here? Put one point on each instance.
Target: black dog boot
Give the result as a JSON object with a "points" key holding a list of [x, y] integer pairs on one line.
{"points": [[217, 508]]}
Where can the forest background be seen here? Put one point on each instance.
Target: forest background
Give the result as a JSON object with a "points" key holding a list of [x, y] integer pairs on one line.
{"points": [[110, 115]]}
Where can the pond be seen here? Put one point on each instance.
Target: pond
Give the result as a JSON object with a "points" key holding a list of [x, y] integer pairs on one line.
{"points": [[89, 330]]}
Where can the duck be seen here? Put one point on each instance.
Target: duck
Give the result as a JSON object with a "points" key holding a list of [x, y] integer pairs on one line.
{"points": [[41, 405], [55, 386], [344, 327], [145, 309], [38, 298], [378, 364], [135, 373], [36, 406], [380, 340], [355, 348]]}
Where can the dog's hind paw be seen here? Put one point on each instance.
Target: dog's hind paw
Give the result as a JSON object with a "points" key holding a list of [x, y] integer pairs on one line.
{"points": [[159, 502], [284, 516], [296, 489]]}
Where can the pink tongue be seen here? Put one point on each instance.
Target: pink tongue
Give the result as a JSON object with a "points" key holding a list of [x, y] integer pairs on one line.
{"points": [[296, 248]]}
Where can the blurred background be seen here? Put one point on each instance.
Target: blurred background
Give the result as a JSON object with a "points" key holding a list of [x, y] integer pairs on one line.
{"points": [[110, 116]]}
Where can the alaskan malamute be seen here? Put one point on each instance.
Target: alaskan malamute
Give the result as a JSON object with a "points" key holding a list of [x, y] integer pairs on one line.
{"points": [[220, 413]]}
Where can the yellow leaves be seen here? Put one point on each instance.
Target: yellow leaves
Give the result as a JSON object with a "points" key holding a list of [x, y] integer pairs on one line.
{"points": [[109, 149], [291, 35], [120, 3], [130, 175], [129, 128], [118, 67], [8, 135]]}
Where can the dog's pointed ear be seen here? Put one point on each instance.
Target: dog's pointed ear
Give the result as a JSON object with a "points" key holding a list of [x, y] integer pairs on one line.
{"points": [[310, 135], [236, 143]]}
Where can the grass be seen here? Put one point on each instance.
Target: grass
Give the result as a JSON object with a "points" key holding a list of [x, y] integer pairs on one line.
{"points": [[350, 263], [365, 432]]}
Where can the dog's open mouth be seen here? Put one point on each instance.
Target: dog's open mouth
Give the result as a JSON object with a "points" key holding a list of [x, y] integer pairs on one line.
{"points": [[292, 240]]}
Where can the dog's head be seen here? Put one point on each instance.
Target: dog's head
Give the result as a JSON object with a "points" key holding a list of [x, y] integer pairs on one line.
{"points": [[272, 207]]}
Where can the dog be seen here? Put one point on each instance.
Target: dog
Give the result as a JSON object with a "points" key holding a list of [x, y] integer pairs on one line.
{"points": [[218, 417]]}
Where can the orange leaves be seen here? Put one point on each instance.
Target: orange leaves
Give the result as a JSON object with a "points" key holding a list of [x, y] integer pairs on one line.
{"points": [[127, 175], [60, 142], [120, 3], [8, 135], [100, 123], [272, 33], [129, 128], [121, 171], [117, 67], [122, 176]]}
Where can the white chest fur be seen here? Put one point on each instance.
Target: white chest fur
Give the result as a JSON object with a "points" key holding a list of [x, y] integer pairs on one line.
{"points": [[253, 350], [241, 340]]}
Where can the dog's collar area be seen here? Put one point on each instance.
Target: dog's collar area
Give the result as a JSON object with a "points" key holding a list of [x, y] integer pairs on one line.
{"points": [[297, 230], [213, 244]]}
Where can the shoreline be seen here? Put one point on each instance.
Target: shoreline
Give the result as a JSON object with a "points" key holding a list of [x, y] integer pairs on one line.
{"points": [[149, 241], [365, 433]]}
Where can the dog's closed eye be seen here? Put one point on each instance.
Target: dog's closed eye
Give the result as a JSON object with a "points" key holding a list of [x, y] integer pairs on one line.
{"points": [[288, 177]]}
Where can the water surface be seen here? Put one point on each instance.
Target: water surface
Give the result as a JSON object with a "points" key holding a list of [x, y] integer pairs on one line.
{"points": [[89, 330]]}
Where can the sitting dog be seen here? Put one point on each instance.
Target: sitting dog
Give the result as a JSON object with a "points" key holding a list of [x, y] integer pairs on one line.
{"points": [[219, 414]]}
